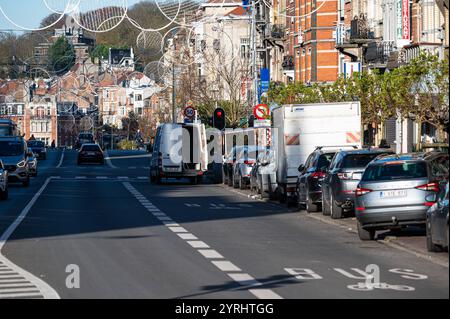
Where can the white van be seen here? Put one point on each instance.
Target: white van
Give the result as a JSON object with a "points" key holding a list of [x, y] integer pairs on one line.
{"points": [[298, 129], [179, 151]]}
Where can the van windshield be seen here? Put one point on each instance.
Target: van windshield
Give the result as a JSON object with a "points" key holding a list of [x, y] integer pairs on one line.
{"points": [[8, 148], [387, 172]]}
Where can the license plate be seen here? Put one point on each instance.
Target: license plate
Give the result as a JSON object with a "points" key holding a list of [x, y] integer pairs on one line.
{"points": [[90, 153], [391, 194], [357, 176], [171, 169]]}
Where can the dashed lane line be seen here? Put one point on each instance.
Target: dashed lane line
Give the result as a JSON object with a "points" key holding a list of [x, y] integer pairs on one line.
{"points": [[245, 281], [27, 285], [62, 158]]}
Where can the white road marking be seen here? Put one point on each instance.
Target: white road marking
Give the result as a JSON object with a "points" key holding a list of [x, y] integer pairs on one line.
{"points": [[178, 229], [226, 266], [198, 244], [102, 177], [80, 177], [187, 236], [127, 157], [265, 294], [245, 279], [143, 177], [45, 290], [210, 254], [62, 158], [123, 177], [108, 161]]}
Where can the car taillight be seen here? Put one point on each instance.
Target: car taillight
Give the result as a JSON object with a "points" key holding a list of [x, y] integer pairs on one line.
{"points": [[318, 175], [344, 175], [431, 187], [249, 162], [360, 191], [429, 204]]}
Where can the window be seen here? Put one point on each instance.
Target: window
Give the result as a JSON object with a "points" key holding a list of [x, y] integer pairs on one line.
{"points": [[245, 48], [357, 160], [388, 171]]}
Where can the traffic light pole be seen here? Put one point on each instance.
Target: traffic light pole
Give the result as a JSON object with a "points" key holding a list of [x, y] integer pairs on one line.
{"points": [[174, 120], [253, 35]]}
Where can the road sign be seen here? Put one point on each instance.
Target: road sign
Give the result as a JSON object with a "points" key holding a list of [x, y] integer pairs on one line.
{"points": [[189, 112], [262, 123], [261, 112]]}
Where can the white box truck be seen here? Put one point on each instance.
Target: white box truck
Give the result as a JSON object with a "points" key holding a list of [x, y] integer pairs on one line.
{"points": [[299, 128]]}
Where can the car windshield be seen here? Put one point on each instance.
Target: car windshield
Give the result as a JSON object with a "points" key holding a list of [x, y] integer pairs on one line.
{"points": [[5, 130], [325, 160], [90, 148], [358, 160], [35, 144], [8, 148], [388, 171]]}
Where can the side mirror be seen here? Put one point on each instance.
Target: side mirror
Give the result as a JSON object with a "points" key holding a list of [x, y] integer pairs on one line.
{"points": [[301, 168]]}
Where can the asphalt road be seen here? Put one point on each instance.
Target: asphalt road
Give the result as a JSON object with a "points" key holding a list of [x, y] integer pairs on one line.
{"points": [[130, 239]]}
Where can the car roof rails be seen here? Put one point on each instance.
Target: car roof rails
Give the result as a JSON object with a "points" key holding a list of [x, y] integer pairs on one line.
{"points": [[336, 146]]}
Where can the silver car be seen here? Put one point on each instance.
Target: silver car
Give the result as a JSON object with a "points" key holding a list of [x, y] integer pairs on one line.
{"points": [[243, 165], [14, 155], [393, 190]]}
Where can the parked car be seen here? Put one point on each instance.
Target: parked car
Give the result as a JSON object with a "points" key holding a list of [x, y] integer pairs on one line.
{"points": [[393, 192], [91, 153], [38, 148], [3, 182], [309, 182], [437, 221], [8, 128], [228, 164], [263, 177], [33, 164], [243, 165], [14, 155], [342, 178]]}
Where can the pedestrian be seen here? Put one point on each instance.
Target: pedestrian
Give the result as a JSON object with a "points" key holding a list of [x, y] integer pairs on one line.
{"points": [[53, 144]]}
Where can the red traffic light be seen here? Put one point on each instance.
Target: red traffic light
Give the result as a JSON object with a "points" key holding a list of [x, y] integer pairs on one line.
{"points": [[219, 114]]}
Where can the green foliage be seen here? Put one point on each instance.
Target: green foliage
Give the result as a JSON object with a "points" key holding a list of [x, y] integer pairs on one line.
{"points": [[61, 56], [126, 145], [417, 90]]}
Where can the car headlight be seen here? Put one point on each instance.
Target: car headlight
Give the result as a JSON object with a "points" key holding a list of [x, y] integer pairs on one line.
{"points": [[21, 164]]}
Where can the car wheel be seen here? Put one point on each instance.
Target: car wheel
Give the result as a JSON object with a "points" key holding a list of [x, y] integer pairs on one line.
{"points": [[242, 185], [431, 246], [336, 211], [365, 234], [310, 206]]}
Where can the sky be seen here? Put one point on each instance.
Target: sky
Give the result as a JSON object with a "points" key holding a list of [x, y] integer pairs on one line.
{"points": [[29, 13]]}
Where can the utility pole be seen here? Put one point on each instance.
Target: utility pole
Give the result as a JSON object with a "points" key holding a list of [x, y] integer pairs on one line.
{"points": [[253, 36], [174, 120]]}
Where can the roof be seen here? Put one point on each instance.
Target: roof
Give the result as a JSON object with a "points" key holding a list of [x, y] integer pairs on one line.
{"points": [[408, 157], [239, 11], [368, 151]]}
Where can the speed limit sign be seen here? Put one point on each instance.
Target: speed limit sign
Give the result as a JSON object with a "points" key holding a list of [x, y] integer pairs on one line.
{"points": [[189, 112]]}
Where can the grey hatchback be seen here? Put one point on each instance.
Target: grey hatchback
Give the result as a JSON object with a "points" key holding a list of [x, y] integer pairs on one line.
{"points": [[393, 190]]}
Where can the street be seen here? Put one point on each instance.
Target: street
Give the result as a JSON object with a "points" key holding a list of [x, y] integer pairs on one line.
{"points": [[132, 239]]}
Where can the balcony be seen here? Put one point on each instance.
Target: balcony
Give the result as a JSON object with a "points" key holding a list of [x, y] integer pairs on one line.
{"points": [[288, 62], [360, 31], [278, 31], [378, 54]]}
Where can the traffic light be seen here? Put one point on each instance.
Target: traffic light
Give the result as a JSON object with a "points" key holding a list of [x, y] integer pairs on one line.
{"points": [[219, 120]]}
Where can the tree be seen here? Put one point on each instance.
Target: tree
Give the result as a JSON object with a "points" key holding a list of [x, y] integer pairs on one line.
{"points": [[62, 56]]}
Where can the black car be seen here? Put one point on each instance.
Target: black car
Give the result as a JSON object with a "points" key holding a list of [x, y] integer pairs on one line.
{"points": [[437, 222], [342, 178], [84, 138], [91, 153], [309, 182], [38, 148]]}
